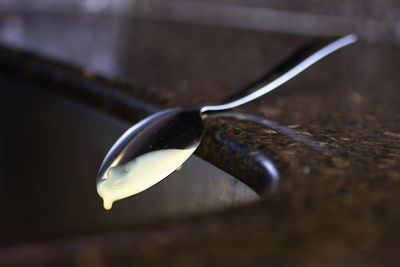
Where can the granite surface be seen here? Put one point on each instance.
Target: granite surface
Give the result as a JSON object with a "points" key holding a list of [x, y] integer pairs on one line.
{"points": [[338, 194]]}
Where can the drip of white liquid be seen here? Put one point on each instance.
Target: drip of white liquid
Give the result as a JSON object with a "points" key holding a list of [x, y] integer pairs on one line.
{"points": [[139, 174]]}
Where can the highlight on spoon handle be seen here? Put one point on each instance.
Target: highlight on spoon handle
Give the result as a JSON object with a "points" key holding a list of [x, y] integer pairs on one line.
{"points": [[287, 75]]}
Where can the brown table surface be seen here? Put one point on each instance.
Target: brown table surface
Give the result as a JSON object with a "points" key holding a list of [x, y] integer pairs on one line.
{"points": [[337, 202]]}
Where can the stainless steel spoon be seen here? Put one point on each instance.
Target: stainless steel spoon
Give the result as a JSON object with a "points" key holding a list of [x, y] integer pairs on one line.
{"points": [[158, 145]]}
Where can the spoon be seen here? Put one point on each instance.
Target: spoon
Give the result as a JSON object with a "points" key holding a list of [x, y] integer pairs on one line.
{"points": [[158, 145]]}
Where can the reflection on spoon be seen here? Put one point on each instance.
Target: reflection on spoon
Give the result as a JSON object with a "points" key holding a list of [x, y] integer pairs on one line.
{"points": [[156, 146]]}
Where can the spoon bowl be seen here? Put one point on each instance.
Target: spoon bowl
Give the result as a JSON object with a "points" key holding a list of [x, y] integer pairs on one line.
{"points": [[148, 152]]}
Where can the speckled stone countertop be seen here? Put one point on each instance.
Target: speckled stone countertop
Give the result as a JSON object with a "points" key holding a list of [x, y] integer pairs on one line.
{"points": [[337, 203]]}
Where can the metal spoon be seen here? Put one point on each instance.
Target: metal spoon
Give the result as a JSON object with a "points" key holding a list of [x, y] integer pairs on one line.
{"points": [[158, 145]]}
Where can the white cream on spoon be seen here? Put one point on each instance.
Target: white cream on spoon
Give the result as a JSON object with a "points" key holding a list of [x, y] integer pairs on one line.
{"points": [[159, 144], [141, 173]]}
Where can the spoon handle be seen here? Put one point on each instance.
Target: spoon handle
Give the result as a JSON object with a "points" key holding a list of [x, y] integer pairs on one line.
{"points": [[286, 71]]}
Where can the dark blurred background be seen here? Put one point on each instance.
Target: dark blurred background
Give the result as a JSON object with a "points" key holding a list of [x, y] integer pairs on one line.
{"points": [[176, 45], [98, 34]]}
